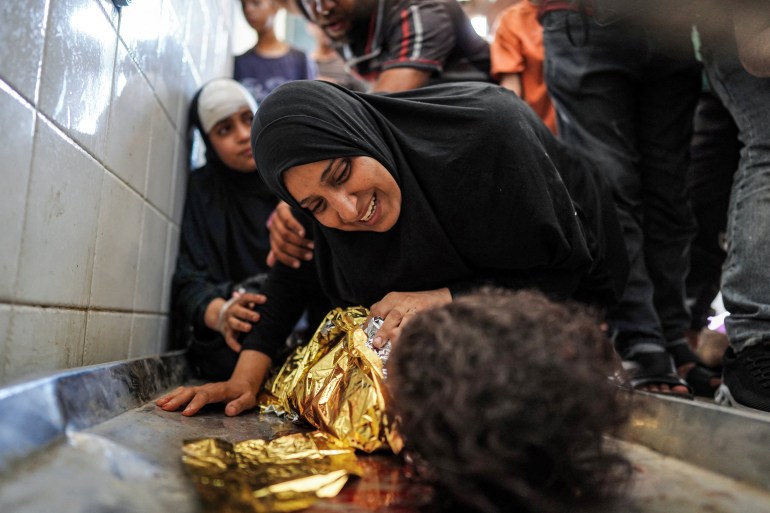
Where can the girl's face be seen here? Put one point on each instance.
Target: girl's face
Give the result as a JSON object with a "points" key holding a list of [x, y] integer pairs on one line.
{"points": [[231, 139], [347, 193]]}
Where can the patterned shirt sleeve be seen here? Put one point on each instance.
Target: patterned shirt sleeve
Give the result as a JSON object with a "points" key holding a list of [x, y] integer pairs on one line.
{"points": [[419, 35]]}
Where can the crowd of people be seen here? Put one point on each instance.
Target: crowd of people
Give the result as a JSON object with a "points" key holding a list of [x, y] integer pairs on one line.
{"points": [[609, 154]]}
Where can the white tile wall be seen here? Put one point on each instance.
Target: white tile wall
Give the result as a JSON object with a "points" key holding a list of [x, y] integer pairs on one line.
{"points": [[21, 47], [145, 335], [93, 105], [77, 73], [17, 121], [171, 50], [108, 337], [117, 246], [140, 31], [43, 340], [131, 109], [5, 325], [163, 145], [60, 228], [150, 275]]}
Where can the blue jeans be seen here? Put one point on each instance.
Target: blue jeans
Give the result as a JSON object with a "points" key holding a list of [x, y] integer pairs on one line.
{"points": [[746, 272], [625, 96]]}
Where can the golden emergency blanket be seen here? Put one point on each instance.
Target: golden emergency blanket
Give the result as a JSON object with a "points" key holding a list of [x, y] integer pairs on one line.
{"points": [[336, 384], [286, 474]]}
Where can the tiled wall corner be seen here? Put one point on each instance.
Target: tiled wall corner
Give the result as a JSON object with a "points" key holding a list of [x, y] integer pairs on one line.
{"points": [[145, 335], [93, 102], [151, 272]]}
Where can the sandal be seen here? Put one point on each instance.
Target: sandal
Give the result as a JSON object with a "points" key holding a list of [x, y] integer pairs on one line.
{"points": [[699, 377], [655, 369]]}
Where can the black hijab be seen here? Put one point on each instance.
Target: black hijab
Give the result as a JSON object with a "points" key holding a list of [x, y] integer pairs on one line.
{"points": [[225, 214], [482, 201]]}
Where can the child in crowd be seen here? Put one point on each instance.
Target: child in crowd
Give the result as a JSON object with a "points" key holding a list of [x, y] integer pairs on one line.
{"points": [[505, 401], [517, 53], [271, 62]]}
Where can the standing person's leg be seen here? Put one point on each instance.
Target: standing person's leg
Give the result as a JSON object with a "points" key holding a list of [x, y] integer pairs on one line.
{"points": [[715, 152], [668, 93], [746, 273], [592, 81]]}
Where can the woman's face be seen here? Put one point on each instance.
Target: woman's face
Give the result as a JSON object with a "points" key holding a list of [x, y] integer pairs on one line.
{"points": [[347, 193], [231, 138]]}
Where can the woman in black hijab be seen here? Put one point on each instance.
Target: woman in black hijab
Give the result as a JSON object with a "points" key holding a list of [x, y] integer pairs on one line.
{"points": [[224, 237], [419, 196]]}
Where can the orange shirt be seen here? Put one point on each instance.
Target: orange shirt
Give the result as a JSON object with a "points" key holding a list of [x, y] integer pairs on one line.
{"points": [[518, 48]]}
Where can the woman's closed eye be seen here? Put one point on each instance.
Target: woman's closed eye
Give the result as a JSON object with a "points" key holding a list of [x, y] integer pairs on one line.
{"points": [[342, 173], [316, 207]]}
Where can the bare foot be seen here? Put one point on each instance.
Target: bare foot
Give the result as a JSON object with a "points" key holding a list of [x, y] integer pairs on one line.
{"points": [[665, 389]]}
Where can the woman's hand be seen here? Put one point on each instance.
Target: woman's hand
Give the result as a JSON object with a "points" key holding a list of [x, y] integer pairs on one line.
{"points": [[239, 396], [288, 244], [396, 308], [239, 392]]}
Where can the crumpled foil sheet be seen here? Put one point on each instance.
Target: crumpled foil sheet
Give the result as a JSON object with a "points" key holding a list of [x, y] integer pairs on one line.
{"points": [[336, 383], [286, 474]]}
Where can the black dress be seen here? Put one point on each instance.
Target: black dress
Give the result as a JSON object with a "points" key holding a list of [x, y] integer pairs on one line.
{"points": [[488, 197]]}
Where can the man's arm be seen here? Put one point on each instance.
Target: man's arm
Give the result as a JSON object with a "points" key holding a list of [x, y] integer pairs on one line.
{"points": [[512, 81], [394, 80]]}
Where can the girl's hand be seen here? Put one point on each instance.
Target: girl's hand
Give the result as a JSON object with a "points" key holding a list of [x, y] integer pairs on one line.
{"points": [[236, 315]]}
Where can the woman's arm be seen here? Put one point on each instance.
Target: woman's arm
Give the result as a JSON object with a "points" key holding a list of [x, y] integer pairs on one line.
{"points": [[288, 292], [239, 392]]}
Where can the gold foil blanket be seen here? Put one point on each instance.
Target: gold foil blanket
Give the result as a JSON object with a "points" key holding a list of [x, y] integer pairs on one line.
{"points": [[286, 474], [336, 383]]}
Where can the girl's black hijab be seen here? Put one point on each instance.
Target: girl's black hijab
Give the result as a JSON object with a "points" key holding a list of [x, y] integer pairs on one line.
{"points": [[481, 198], [225, 214]]}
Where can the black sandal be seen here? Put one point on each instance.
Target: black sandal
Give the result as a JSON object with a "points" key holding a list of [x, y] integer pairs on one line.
{"points": [[699, 377], [655, 369]]}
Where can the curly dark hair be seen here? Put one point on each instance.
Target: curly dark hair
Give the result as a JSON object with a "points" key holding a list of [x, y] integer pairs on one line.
{"points": [[506, 398]]}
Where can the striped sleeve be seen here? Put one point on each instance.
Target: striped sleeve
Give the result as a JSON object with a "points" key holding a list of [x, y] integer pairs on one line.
{"points": [[419, 36]]}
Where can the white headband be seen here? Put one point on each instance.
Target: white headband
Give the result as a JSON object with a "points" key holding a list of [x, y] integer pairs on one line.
{"points": [[220, 99]]}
